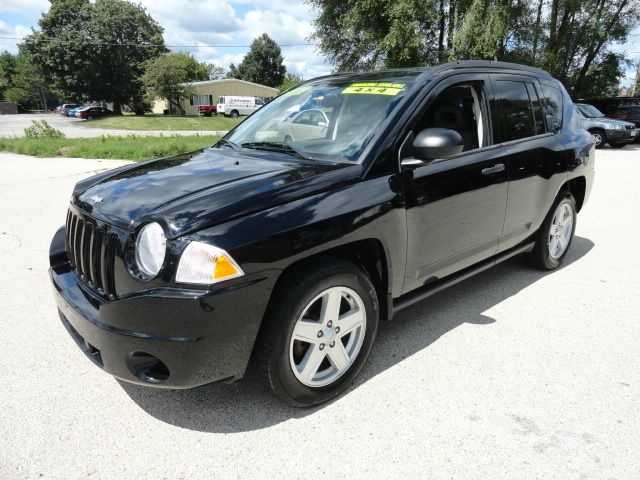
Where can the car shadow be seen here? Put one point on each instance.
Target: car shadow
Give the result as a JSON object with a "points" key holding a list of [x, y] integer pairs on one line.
{"points": [[248, 405]]}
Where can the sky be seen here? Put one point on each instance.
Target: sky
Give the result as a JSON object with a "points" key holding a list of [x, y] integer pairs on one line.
{"points": [[223, 23], [230, 25]]}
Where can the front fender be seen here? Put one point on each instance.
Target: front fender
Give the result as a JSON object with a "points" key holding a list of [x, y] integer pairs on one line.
{"points": [[269, 241]]}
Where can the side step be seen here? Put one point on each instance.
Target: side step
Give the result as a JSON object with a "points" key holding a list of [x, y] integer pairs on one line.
{"points": [[435, 287]]}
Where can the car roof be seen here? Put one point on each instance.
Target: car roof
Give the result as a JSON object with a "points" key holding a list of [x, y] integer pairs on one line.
{"points": [[486, 65]]}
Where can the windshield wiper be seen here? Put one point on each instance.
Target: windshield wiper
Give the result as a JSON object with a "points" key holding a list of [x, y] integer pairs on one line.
{"points": [[276, 147], [224, 141]]}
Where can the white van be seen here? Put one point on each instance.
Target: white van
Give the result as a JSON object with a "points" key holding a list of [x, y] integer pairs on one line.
{"points": [[231, 106]]}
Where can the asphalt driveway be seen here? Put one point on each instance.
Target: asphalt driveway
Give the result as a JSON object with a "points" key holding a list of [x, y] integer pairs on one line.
{"points": [[514, 373]]}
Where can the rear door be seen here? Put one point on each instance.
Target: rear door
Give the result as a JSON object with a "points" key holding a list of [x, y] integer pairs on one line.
{"points": [[533, 154]]}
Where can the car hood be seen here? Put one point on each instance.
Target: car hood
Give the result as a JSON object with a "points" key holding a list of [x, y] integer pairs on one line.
{"points": [[192, 191], [609, 121]]}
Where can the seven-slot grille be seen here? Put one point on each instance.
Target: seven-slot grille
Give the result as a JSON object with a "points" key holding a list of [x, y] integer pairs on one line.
{"points": [[91, 250]]}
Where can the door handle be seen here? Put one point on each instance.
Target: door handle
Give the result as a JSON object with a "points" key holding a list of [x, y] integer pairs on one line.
{"points": [[495, 169]]}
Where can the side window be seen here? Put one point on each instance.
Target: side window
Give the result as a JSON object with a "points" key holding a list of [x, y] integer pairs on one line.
{"points": [[259, 102], [537, 109], [458, 108], [318, 118], [304, 118], [512, 111], [553, 103]]}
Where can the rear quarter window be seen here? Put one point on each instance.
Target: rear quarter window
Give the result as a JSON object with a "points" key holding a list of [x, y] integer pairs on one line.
{"points": [[553, 103]]}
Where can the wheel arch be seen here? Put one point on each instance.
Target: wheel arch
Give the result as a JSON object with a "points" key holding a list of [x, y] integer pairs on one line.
{"points": [[368, 254], [577, 187]]}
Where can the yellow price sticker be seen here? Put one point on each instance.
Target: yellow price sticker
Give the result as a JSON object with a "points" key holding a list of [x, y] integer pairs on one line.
{"points": [[374, 88], [297, 91]]}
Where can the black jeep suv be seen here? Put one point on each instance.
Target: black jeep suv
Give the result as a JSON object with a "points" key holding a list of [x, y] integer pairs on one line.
{"points": [[340, 202]]}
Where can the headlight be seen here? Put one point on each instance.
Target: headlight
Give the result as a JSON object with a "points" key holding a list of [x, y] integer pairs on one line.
{"points": [[205, 264], [151, 246]]}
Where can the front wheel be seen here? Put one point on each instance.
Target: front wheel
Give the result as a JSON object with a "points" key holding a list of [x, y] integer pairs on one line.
{"points": [[598, 137], [555, 235], [318, 332], [234, 114]]}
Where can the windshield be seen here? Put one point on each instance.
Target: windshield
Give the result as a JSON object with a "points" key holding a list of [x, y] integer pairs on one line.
{"points": [[332, 119], [589, 111]]}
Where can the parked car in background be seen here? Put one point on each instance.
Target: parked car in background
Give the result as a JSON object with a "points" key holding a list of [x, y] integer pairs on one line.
{"points": [[72, 112], [64, 109], [616, 133], [176, 272], [89, 113], [305, 125], [620, 108], [232, 106], [208, 110]]}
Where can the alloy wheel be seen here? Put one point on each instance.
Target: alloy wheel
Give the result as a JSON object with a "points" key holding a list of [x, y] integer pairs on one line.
{"points": [[560, 231], [327, 337], [597, 138]]}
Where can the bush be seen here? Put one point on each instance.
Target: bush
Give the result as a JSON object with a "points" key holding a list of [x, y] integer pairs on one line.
{"points": [[41, 129]]}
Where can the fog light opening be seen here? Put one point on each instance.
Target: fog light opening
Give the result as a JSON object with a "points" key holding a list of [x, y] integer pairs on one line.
{"points": [[148, 368]]}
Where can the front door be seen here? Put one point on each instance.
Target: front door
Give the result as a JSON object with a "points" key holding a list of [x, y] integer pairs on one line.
{"points": [[455, 206]]}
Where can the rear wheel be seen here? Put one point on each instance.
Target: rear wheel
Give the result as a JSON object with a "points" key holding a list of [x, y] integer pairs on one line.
{"points": [[288, 139], [556, 233], [598, 137], [318, 332], [617, 144]]}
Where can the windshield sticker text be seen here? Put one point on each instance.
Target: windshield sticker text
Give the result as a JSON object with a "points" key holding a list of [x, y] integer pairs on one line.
{"points": [[374, 88]]}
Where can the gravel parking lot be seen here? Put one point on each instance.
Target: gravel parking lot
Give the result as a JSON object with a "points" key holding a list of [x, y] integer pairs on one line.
{"points": [[512, 374]]}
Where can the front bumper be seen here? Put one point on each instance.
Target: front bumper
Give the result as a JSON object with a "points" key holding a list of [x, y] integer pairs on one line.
{"points": [[163, 337], [620, 135]]}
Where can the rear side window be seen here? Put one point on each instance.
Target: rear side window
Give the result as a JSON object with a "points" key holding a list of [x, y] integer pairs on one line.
{"points": [[512, 111], [553, 103]]}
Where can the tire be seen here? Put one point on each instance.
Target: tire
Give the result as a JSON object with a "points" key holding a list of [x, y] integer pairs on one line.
{"points": [[548, 254], [288, 139], [89, 117], [281, 358], [599, 137], [617, 144], [234, 114]]}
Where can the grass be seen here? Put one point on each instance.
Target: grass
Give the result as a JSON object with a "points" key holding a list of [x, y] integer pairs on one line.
{"points": [[131, 147], [162, 122]]}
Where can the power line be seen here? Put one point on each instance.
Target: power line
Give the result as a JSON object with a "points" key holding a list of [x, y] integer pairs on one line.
{"points": [[89, 42]]}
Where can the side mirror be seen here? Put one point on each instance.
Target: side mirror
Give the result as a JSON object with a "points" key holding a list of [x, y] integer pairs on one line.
{"points": [[433, 143]]}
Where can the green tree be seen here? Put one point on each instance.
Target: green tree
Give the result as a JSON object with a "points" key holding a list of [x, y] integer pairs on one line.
{"points": [[8, 66], [262, 64], [290, 80], [569, 38], [166, 77], [210, 71], [28, 86], [95, 51]]}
